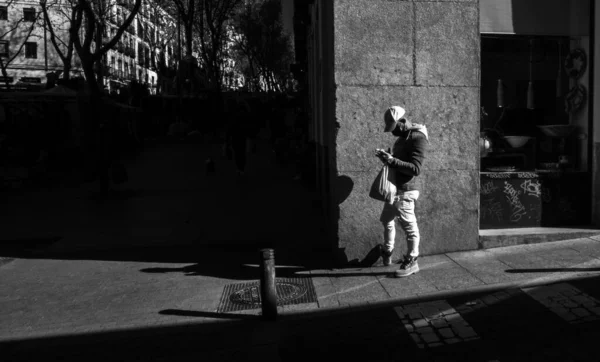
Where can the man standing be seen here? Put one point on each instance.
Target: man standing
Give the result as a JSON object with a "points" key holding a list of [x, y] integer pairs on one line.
{"points": [[406, 160]]}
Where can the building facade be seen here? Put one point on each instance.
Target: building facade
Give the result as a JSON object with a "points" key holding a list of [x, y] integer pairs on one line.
{"points": [[476, 72], [27, 47], [147, 44]]}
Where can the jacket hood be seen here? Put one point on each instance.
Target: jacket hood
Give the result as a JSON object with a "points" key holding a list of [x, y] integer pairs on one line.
{"points": [[420, 128]]}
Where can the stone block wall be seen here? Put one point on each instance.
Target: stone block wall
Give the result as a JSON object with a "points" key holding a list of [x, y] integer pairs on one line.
{"points": [[424, 56]]}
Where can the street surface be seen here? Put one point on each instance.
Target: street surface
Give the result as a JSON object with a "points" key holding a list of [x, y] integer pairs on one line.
{"points": [[556, 322], [142, 279]]}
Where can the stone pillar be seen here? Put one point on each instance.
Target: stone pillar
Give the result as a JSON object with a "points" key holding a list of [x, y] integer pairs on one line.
{"points": [[424, 56]]}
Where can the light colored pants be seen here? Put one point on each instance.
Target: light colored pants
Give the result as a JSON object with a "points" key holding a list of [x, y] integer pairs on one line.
{"points": [[403, 208]]}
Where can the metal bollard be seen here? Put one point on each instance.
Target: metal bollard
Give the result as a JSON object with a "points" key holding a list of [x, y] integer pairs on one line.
{"points": [[268, 294]]}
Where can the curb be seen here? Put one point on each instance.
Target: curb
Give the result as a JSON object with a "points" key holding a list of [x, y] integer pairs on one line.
{"points": [[446, 294]]}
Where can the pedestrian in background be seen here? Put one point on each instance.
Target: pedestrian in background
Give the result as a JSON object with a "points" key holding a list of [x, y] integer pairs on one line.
{"points": [[405, 160]]}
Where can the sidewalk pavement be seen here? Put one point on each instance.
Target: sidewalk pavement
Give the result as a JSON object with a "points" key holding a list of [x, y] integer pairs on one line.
{"points": [[160, 261]]}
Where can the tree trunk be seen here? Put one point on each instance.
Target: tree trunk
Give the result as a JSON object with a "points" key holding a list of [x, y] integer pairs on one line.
{"points": [[67, 70], [188, 37], [90, 77], [4, 74]]}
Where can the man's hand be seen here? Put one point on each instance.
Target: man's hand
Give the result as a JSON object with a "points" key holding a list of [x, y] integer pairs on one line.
{"points": [[382, 155]]}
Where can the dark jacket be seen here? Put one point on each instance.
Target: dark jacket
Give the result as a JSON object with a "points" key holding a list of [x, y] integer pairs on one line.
{"points": [[408, 155]]}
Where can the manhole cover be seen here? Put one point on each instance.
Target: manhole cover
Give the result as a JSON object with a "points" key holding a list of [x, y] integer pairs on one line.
{"points": [[247, 295]]}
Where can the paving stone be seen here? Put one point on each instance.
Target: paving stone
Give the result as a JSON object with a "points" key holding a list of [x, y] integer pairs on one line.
{"points": [[420, 323], [570, 304], [580, 299], [595, 310], [560, 310], [466, 332], [439, 322], [430, 338], [415, 337], [446, 333], [580, 312], [453, 317], [415, 315], [436, 344], [489, 299], [452, 340], [589, 303], [426, 330]]}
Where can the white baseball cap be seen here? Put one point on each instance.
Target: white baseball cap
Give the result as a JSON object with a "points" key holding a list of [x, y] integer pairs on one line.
{"points": [[392, 116]]}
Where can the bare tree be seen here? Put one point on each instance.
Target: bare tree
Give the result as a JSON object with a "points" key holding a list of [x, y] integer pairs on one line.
{"points": [[211, 25], [186, 12], [58, 27], [19, 32], [91, 16], [262, 41]]}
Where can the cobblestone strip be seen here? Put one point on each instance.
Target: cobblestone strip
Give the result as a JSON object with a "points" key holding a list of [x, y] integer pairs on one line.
{"points": [[568, 302], [433, 324]]}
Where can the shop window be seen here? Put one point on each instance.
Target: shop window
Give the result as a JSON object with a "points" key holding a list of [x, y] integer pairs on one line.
{"points": [[3, 13], [29, 14], [535, 117], [3, 48], [529, 92], [31, 50]]}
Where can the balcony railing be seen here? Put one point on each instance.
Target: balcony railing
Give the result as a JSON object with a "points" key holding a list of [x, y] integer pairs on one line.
{"points": [[129, 51], [115, 73]]}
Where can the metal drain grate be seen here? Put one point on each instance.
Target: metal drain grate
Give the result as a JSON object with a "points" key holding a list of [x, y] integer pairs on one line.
{"points": [[244, 296]]}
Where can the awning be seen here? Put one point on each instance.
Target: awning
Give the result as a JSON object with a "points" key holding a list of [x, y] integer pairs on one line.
{"points": [[535, 17]]}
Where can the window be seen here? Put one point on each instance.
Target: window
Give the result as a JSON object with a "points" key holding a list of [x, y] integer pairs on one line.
{"points": [[29, 14], [31, 50], [3, 13], [3, 48]]}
